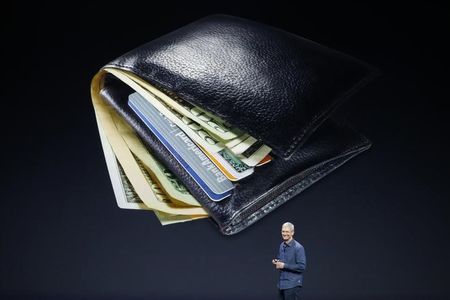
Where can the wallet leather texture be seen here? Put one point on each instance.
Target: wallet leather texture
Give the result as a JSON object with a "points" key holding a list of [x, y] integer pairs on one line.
{"points": [[276, 86]]}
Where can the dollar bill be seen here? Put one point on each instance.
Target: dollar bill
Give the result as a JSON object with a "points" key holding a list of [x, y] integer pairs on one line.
{"points": [[164, 218], [255, 154], [126, 196], [171, 185], [251, 151], [208, 121], [245, 144], [130, 167], [199, 130], [234, 142]]}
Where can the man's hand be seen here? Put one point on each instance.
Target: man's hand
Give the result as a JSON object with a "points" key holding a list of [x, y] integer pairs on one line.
{"points": [[278, 264]]}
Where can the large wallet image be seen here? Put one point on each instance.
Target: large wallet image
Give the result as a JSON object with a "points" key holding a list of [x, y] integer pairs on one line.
{"points": [[224, 118]]}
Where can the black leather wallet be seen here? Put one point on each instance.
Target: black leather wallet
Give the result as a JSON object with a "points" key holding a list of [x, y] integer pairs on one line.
{"points": [[277, 86]]}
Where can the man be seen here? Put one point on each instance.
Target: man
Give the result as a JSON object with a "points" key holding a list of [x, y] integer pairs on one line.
{"points": [[291, 262]]}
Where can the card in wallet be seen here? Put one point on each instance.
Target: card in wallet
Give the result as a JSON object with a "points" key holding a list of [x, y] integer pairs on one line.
{"points": [[225, 118]]}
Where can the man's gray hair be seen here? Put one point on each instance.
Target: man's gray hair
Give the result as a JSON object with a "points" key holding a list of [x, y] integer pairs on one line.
{"points": [[289, 225]]}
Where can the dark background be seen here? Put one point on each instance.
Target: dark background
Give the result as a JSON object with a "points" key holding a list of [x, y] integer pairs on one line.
{"points": [[377, 228]]}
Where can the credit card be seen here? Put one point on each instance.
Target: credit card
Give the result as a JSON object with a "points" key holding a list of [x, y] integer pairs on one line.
{"points": [[210, 179], [229, 164]]}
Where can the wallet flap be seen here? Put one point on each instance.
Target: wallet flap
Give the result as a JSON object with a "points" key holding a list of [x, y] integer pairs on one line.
{"points": [[274, 85]]}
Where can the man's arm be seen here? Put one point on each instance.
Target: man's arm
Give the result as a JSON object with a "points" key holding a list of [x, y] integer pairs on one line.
{"points": [[300, 262]]}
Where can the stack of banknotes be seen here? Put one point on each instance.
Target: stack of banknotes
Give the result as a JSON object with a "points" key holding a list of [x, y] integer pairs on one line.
{"points": [[214, 153]]}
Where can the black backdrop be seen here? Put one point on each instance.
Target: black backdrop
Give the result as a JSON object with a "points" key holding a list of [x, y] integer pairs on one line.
{"points": [[377, 228]]}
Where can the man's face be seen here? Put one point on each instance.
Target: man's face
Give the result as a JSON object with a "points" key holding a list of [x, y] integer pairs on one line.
{"points": [[286, 233]]}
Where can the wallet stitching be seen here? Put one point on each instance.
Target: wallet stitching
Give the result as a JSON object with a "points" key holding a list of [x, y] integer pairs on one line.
{"points": [[286, 195], [298, 174], [236, 224], [342, 154], [315, 175], [307, 128]]}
